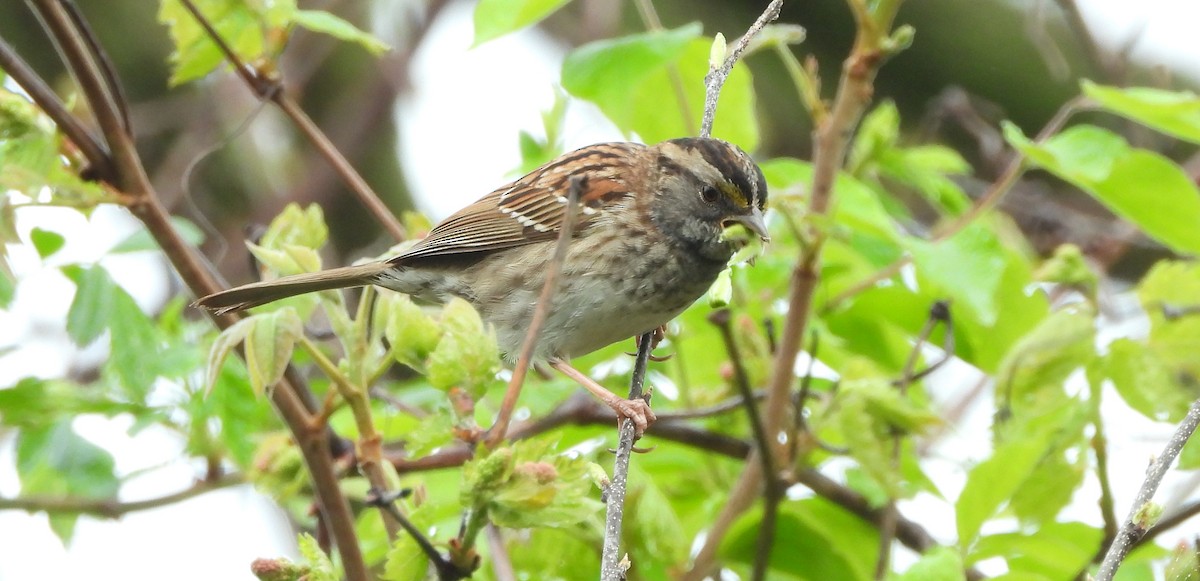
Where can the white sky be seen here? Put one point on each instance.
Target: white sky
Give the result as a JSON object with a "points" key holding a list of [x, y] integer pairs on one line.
{"points": [[444, 122]]}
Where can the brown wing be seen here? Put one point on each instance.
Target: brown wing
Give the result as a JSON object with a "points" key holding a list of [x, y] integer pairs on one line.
{"points": [[532, 208]]}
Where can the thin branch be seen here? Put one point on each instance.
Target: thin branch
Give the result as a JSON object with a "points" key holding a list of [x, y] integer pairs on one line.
{"points": [[938, 313], [610, 558], [113, 508], [773, 492], [369, 451], [502, 565], [545, 302], [266, 87], [715, 79], [44, 97], [1107, 506], [1136, 524], [386, 501]]}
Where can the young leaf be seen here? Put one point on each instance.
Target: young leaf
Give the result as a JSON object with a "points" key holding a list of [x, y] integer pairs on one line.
{"points": [[1175, 113], [269, 345], [1138, 185], [629, 79], [320, 567], [46, 242], [92, 308], [496, 18], [321, 21], [940, 564]]}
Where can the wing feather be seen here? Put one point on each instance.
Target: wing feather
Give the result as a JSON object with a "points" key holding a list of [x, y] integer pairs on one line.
{"points": [[532, 208]]}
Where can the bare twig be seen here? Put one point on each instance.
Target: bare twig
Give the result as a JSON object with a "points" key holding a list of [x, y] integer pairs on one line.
{"points": [[610, 566], [545, 302], [113, 508], [1107, 506], [1135, 525], [386, 501], [502, 565], [938, 313], [773, 491], [715, 79], [266, 87]]}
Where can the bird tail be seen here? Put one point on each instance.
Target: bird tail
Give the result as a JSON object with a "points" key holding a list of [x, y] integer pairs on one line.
{"points": [[261, 293]]}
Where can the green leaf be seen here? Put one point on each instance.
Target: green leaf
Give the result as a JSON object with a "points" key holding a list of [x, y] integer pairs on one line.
{"points": [[296, 226], [968, 267], [1168, 293], [467, 355], [939, 564], [135, 349], [1175, 113], [141, 240], [269, 340], [320, 567], [1052, 551], [1144, 381], [46, 242], [196, 55], [56, 462], [1138, 185], [269, 345], [92, 308], [412, 334], [321, 21], [496, 18], [629, 79], [1045, 356], [814, 539]]}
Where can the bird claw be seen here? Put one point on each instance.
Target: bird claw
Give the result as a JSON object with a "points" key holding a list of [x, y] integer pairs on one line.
{"points": [[635, 410]]}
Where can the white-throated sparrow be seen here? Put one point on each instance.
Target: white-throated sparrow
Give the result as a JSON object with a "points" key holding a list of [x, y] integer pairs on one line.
{"points": [[647, 243]]}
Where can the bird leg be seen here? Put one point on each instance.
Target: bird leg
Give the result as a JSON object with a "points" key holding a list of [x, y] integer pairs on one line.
{"points": [[636, 410]]}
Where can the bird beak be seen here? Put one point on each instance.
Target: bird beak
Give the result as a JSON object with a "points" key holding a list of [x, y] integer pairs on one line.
{"points": [[754, 221]]}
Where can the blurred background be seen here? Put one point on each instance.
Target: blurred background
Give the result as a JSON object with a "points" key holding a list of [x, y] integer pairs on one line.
{"points": [[434, 124]]}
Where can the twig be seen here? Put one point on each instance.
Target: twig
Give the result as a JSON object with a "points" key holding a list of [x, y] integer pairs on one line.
{"points": [[386, 501], [96, 154], [1135, 526], [502, 565], [715, 79], [545, 302], [113, 508], [938, 313], [610, 566], [272, 88], [1169, 522], [129, 176], [370, 443], [1107, 506], [773, 492]]}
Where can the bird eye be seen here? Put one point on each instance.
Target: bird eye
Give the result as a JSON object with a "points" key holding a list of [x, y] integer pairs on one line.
{"points": [[710, 194]]}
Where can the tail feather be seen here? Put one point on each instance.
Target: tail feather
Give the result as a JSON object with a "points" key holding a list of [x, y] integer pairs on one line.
{"points": [[261, 293]]}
